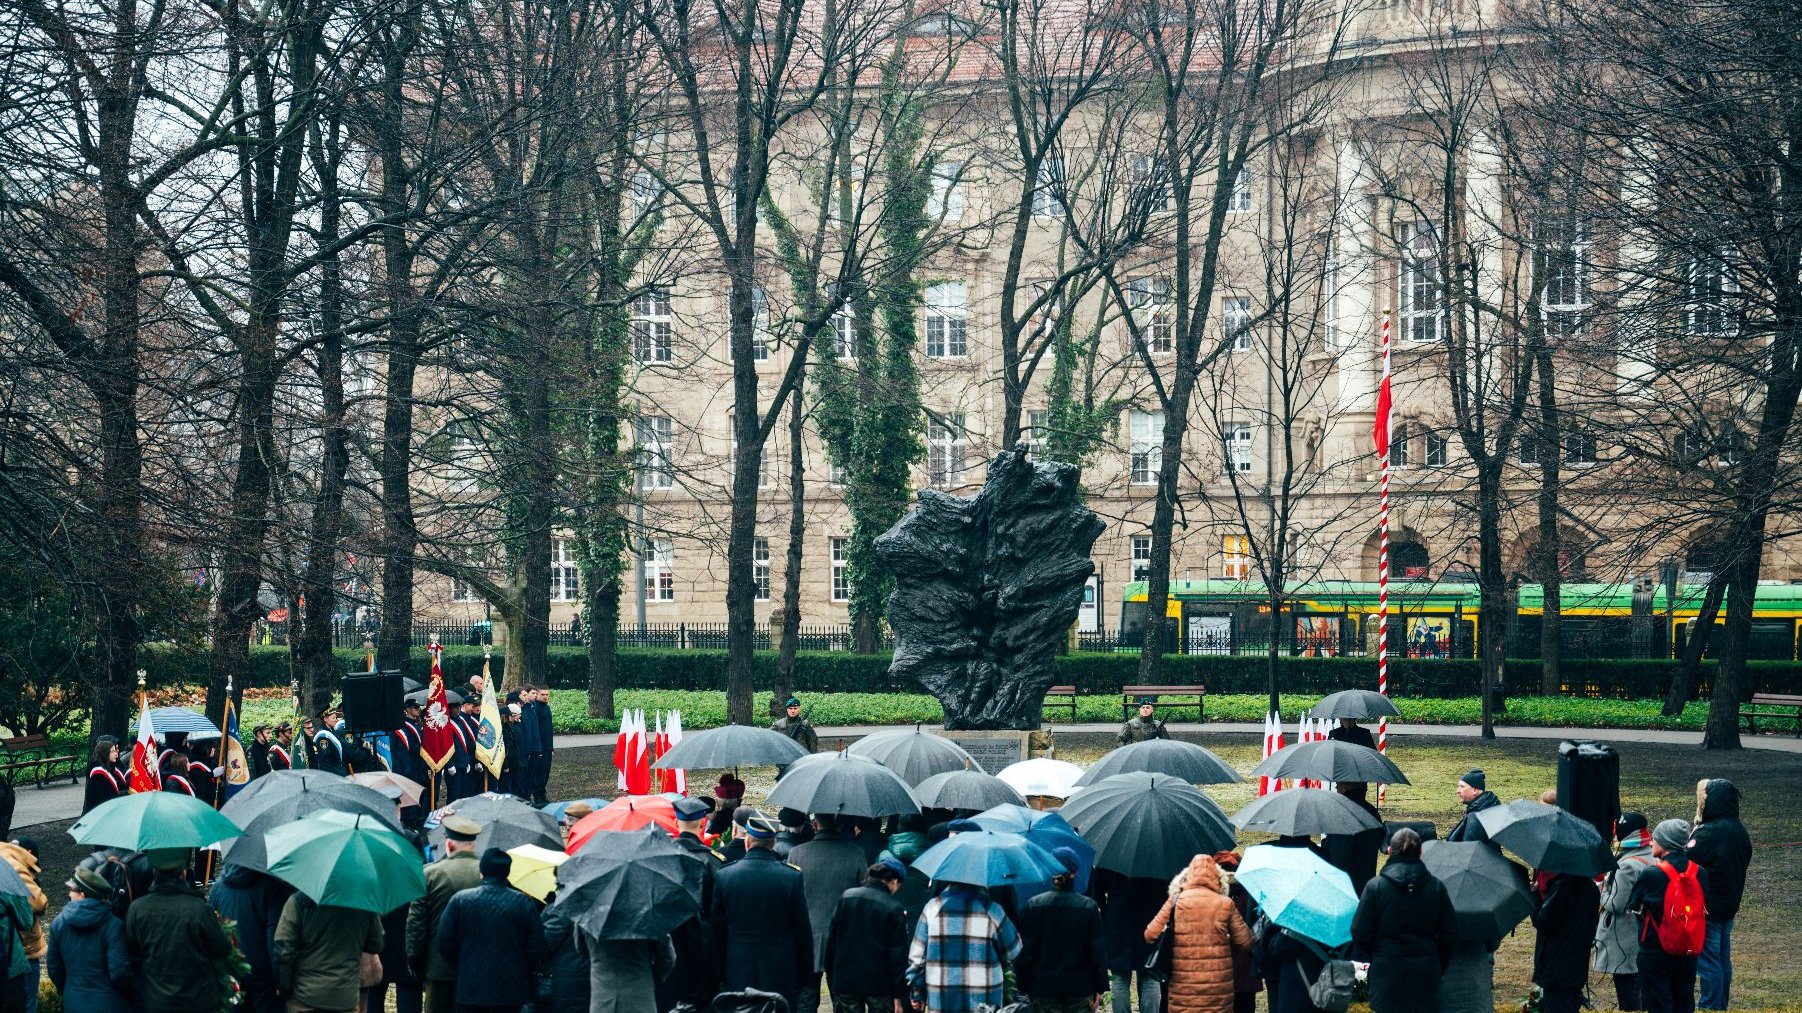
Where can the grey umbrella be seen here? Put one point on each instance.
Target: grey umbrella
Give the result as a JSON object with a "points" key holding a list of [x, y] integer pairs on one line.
{"points": [[1144, 824], [965, 789], [1547, 837], [845, 786], [1330, 760], [630, 885], [1304, 812], [1184, 761], [812, 758], [284, 801], [1489, 893], [1354, 703], [730, 746], [506, 823], [452, 698], [914, 754]]}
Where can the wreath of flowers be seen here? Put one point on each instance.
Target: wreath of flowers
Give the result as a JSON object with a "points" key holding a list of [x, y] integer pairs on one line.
{"points": [[233, 970]]}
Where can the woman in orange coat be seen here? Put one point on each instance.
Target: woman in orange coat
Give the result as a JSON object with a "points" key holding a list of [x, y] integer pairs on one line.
{"points": [[1208, 931]]}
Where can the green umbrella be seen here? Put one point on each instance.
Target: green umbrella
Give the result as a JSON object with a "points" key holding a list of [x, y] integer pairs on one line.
{"points": [[153, 819], [348, 860]]}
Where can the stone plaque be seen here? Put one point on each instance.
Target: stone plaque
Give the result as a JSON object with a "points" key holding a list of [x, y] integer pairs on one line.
{"points": [[994, 750]]}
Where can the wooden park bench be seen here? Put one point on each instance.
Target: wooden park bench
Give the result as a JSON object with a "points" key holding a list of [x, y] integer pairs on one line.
{"points": [[1163, 696], [28, 758], [1062, 696], [1782, 706]]}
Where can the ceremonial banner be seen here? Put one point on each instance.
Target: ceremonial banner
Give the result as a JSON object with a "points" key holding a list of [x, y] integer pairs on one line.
{"points": [[440, 741], [491, 750]]}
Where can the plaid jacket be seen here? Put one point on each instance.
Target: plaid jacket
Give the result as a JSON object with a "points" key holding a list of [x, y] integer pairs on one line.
{"points": [[962, 941]]}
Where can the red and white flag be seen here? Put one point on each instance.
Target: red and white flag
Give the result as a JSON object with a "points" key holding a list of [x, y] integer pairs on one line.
{"points": [[145, 774], [659, 745], [677, 779], [621, 746], [438, 734], [1264, 783], [1384, 405]]}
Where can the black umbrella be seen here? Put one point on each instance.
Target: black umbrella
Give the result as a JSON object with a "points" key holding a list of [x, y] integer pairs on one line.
{"points": [[282, 802], [965, 789], [630, 885], [408, 684], [1184, 761], [730, 746], [1144, 824], [1304, 812], [912, 753], [845, 786], [452, 698], [1489, 893], [506, 823], [1330, 760], [1354, 703], [1548, 837]]}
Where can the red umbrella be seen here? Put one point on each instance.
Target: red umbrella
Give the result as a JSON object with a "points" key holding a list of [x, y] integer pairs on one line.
{"points": [[628, 812]]}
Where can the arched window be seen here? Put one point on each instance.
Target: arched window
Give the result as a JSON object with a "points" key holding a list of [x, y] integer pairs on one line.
{"points": [[1407, 560]]}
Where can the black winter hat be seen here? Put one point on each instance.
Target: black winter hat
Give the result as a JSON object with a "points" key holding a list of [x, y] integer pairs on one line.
{"points": [[1628, 824], [496, 864], [1475, 779]]}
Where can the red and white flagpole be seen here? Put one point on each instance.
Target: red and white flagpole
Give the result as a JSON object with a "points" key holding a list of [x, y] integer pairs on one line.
{"points": [[1384, 403]]}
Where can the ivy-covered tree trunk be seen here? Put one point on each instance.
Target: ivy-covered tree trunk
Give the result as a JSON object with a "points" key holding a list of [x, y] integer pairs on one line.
{"points": [[797, 538]]}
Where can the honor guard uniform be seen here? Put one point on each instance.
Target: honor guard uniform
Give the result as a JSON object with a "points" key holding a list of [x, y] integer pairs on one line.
{"points": [[281, 756], [793, 725], [1144, 727]]}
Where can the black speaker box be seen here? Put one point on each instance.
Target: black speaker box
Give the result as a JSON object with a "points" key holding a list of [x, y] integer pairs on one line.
{"points": [[1589, 783], [372, 701]]}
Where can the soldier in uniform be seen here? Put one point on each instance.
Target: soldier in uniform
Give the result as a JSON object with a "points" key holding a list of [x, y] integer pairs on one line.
{"points": [[259, 751], [457, 871], [693, 978], [409, 738], [759, 927], [796, 727], [1145, 726], [281, 755]]}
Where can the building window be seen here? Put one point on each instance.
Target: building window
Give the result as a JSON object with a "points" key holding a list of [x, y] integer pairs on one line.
{"points": [[1435, 450], [1141, 558], [946, 201], [652, 437], [760, 324], [1235, 322], [945, 320], [1147, 448], [1564, 299], [1398, 445], [1579, 448], [1038, 433], [760, 569], [461, 590], [844, 332], [841, 581], [659, 569], [1423, 309], [945, 450], [1235, 557], [1713, 298], [1048, 193], [835, 474], [566, 576], [651, 326], [646, 193], [1151, 305], [1239, 202], [1238, 446], [1150, 183]]}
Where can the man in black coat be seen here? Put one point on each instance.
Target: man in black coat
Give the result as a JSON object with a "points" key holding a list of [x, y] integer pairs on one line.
{"points": [[1406, 928], [1356, 854], [1127, 906], [259, 751], [1350, 731], [761, 936], [1473, 791], [547, 742], [866, 947], [1061, 966], [492, 935], [1720, 845], [692, 980], [1566, 923]]}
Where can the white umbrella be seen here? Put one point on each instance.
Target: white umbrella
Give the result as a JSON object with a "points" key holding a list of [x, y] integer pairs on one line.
{"points": [[1043, 776]]}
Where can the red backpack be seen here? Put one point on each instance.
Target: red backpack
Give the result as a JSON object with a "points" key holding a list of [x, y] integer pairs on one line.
{"points": [[1683, 925]]}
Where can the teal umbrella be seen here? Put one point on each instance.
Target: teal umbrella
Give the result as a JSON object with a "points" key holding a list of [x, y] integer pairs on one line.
{"points": [[348, 860], [153, 819], [1300, 892]]}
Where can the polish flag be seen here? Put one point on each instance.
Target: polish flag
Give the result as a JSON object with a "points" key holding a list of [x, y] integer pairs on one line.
{"points": [[145, 776], [659, 745], [621, 742], [1264, 782], [678, 779], [1276, 745]]}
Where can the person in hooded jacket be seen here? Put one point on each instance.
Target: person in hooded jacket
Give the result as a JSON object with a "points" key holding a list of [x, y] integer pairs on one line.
{"points": [[87, 960], [22, 856], [1127, 906], [1565, 923], [1473, 791], [1208, 933], [566, 963], [1720, 845], [907, 845], [1617, 929], [253, 900], [1406, 928]]}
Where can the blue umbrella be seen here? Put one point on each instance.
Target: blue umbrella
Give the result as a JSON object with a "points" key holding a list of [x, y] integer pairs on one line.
{"points": [[557, 809], [985, 858], [1047, 830], [181, 721], [1300, 892]]}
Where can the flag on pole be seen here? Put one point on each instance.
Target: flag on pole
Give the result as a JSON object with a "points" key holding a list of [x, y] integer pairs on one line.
{"points": [[491, 750], [231, 750], [145, 774], [679, 778], [659, 746], [638, 782], [438, 737], [621, 743]]}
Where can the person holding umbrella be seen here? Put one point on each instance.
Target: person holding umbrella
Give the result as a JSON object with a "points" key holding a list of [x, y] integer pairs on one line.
{"points": [[319, 953], [1061, 966], [692, 978], [254, 901], [1617, 931], [175, 941], [1349, 730], [492, 938], [959, 951], [1206, 933], [1406, 928], [1473, 791], [1127, 905], [1565, 922], [830, 864], [1355, 854]]}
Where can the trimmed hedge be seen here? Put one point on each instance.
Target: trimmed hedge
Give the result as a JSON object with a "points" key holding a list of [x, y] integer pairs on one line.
{"points": [[843, 672]]}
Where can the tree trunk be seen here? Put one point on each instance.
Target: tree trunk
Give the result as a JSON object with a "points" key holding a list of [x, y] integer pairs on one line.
{"points": [[603, 635], [1274, 653], [1163, 524], [1493, 584], [748, 458], [1550, 574], [797, 539], [1722, 729], [1689, 667], [399, 539]]}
